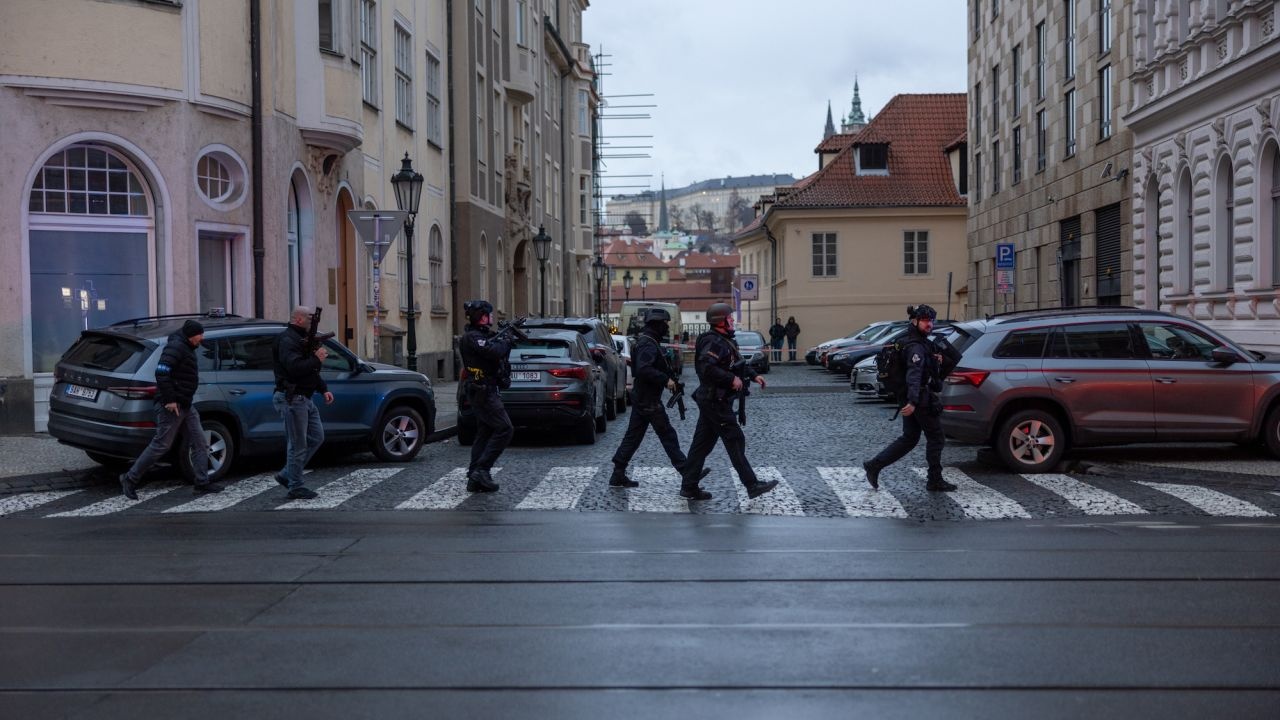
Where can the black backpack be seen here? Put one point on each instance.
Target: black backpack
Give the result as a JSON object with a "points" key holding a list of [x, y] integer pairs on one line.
{"points": [[891, 372]]}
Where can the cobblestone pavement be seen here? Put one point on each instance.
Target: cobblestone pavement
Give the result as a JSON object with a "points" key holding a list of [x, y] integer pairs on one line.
{"points": [[805, 430]]}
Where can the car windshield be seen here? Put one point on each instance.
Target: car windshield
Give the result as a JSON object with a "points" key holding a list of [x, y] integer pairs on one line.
{"points": [[534, 349], [748, 338], [869, 332]]}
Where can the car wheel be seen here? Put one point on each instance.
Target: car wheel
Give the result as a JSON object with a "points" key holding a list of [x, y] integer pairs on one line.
{"points": [[222, 452], [399, 434], [1031, 441], [611, 404], [466, 433], [110, 462], [586, 434], [1271, 432]]}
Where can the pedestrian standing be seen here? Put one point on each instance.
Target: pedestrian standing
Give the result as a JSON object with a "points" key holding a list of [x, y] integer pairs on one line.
{"points": [[777, 334], [177, 378], [722, 376], [298, 378], [921, 403], [484, 354], [652, 373], [792, 331]]}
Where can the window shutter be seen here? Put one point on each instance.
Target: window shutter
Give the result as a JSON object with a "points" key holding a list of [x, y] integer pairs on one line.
{"points": [[1108, 255]]}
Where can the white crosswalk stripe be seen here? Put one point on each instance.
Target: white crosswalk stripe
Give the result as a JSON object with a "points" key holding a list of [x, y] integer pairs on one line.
{"points": [[27, 501], [560, 489], [659, 491], [231, 494], [977, 500], [444, 494], [117, 503], [850, 485], [782, 500], [1083, 496], [343, 489], [1210, 501]]}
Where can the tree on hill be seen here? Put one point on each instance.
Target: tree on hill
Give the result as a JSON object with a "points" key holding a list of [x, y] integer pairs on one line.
{"points": [[636, 223]]}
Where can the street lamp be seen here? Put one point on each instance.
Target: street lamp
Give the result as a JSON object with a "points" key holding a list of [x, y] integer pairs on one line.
{"points": [[626, 284], [542, 246], [598, 269], [644, 283], [407, 185]]}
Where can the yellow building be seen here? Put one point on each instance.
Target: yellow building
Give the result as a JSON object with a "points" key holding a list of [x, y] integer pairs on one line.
{"points": [[878, 227]]}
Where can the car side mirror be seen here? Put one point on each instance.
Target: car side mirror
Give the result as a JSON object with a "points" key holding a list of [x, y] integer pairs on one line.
{"points": [[1226, 357]]}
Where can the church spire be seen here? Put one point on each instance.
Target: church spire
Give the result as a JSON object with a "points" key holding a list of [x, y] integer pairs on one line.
{"points": [[831, 126], [662, 208], [856, 120]]}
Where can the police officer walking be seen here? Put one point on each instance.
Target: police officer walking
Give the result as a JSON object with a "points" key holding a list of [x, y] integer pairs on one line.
{"points": [[721, 375], [652, 374], [921, 407], [297, 379], [484, 354]]}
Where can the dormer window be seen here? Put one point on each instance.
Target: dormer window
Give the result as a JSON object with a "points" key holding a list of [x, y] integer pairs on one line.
{"points": [[873, 159]]}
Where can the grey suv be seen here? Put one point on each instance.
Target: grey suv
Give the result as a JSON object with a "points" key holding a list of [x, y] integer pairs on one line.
{"points": [[104, 391], [1033, 384]]}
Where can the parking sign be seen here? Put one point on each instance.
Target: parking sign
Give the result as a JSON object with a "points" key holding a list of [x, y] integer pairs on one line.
{"points": [[1005, 256]]}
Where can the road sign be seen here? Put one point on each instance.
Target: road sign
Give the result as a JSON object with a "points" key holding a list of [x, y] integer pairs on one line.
{"points": [[377, 228], [1004, 282], [1005, 256], [749, 285]]}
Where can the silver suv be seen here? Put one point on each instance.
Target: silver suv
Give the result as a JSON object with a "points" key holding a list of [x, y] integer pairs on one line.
{"points": [[1033, 384]]}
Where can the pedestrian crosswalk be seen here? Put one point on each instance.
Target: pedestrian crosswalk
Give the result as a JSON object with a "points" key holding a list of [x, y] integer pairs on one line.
{"points": [[826, 491]]}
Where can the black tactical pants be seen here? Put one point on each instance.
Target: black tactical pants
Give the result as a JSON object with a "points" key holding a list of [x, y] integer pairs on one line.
{"points": [[927, 420], [717, 421], [650, 412], [493, 426]]}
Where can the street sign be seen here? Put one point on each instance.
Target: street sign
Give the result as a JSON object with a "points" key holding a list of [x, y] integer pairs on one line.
{"points": [[1004, 282], [749, 285], [1005, 256], [377, 228]]}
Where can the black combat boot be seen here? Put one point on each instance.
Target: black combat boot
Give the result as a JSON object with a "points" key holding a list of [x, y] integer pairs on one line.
{"points": [[619, 478], [480, 481], [873, 475], [693, 492], [939, 485], [758, 488]]}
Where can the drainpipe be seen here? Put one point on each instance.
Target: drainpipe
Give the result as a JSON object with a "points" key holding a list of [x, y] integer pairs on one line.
{"points": [[259, 239], [773, 271]]}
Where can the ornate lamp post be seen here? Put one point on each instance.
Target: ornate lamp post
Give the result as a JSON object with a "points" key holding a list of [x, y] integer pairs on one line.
{"points": [[407, 185], [626, 284], [644, 283], [542, 246], [598, 269]]}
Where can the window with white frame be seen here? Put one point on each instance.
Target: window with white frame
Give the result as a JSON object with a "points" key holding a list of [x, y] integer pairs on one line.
{"points": [[1069, 39], [582, 199], [1017, 155], [522, 22], [329, 14], [484, 266], [824, 254], [915, 252], [369, 50], [1069, 121], [213, 178], [435, 123], [86, 180], [1104, 26], [404, 76], [995, 166], [1104, 102], [1224, 233], [435, 262], [555, 192], [1274, 211], [1040, 61], [1015, 80], [584, 125], [1041, 141]]}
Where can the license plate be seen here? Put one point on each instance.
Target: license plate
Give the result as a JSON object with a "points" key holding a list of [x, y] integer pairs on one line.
{"points": [[526, 376], [82, 392]]}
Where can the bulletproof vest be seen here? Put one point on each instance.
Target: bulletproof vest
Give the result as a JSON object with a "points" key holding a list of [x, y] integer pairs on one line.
{"points": [[491, 370]]}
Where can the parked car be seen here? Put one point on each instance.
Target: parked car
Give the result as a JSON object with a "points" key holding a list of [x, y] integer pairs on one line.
{"points": [[877, 335], [554, 382], [104, 389], [1035, 384], [866, 333], [600, 343], [864, 379], [754, 349], [622, 344]]}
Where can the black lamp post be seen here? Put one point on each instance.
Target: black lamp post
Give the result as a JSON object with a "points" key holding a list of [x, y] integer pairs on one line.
{"points": [[644, 283], [598, 269], [407, 185], [542, 247], [626, 284]]}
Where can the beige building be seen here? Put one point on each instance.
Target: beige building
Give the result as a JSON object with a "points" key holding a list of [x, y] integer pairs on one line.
{"points": [[1206, 185], [876, 229], [1049, 154], [130, 183], [524, 86]]}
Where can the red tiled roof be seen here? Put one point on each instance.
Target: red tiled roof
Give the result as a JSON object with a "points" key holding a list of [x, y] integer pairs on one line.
{"points": [[638, 255], [964, 138], [917, 128], [836, 143]]}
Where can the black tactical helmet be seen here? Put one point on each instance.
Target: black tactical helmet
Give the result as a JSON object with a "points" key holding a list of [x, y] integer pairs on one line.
{"points": [[717, 313], [921, 312], [475, 309], [655, 315]]}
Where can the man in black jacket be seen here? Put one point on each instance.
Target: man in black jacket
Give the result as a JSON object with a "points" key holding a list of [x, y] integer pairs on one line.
{"points": [[716, 356], [922, 406], [484, 355], [297, 379], [652, 374], [177, 378]]}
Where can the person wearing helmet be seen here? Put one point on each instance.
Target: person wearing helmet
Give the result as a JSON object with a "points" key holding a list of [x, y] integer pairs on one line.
{"points": [[652, 374], [715, 355], [922, 406], [483, 356]]}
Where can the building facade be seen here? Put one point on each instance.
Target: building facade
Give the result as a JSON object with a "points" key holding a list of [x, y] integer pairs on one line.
{"points": [[1049, 154], [687, 204], [1206, 183]]}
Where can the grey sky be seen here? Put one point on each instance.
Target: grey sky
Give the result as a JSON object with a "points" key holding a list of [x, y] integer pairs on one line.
{"points": [[742, 85]]}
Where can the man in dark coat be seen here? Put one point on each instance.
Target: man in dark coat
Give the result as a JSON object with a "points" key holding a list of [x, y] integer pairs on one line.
{"points": [[484, 354], [177, 378], [297, 380], [792, 331], [777, 333]]}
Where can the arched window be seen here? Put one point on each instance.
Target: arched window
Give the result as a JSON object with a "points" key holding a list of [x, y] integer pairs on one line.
{"points": [[1224, 228], [500, 287], [294, 258], [436, 260], [1151, 241], [1271, 206], [1186, 255], [484, 267], [88, 180]]}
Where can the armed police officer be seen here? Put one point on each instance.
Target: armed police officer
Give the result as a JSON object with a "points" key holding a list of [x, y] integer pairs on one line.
{"points": [[921, 403], [298, 361], [722, 376], [652, 374], [484, 354]]}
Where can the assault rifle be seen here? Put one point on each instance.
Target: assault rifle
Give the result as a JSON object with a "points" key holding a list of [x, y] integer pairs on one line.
{"points": [[677, 397], [513, 329], [743, 372], [314, 337]]}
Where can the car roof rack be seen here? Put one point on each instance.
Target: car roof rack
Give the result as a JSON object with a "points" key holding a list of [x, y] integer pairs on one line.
{"points": [[1013, 315], [135, 322]]}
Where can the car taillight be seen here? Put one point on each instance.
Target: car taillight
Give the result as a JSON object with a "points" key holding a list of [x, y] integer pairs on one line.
{"points": [[967, 377], [58, 373], [579, 373], [140, 392]]}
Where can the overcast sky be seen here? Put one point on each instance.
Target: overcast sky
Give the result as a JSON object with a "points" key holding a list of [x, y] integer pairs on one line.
{"points": [[742, 85]]}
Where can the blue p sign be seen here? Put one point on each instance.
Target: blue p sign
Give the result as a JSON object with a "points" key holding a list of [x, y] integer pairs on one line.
{"points": [[1005, 256]]}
